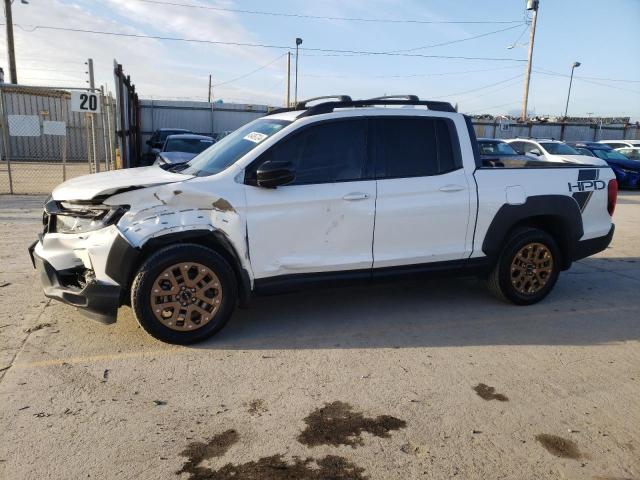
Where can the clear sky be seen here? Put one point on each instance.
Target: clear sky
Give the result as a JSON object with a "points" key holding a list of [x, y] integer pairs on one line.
{"points": [[601, 34]]}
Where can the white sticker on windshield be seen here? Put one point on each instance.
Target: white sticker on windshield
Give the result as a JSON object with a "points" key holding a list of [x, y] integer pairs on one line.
{"points": [[255, 137]]}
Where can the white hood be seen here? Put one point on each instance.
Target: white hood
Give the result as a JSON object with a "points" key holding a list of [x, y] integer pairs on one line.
{"points": [[105, 183]]}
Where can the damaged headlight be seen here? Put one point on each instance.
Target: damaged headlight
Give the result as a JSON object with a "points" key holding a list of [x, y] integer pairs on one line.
{"points": [[72, 218]]}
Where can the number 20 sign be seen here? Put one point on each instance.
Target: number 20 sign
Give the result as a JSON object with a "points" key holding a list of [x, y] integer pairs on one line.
{"points": [[85, 102]]}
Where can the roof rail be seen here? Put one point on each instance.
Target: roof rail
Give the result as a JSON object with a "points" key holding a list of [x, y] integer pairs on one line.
{"points": [[328, 107], [303, 104], [413, 98], [344, 101]]}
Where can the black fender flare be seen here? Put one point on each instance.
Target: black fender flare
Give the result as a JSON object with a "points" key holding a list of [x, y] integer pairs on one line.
{"points": [[123, 259], [558, 213]]}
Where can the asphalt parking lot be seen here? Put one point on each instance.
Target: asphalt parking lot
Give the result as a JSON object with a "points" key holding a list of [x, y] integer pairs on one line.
{"points": [[431, 380]]}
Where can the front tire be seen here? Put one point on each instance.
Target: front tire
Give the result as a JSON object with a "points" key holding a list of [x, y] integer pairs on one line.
{"points": [[184, 294], [527, 268]]}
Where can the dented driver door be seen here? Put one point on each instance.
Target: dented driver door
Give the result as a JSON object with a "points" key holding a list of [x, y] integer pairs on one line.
{"points": [[323, 220]]}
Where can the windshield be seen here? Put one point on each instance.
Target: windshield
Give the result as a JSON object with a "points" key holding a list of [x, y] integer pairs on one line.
{"points": [[631, 153], [496, 148], [609, 154], [584, 151], [165, 133], [233, 147], [188, 145], [559, 149]]}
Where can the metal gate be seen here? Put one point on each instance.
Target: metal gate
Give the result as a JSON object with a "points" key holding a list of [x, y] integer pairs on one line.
{"points": [[43, 142]]}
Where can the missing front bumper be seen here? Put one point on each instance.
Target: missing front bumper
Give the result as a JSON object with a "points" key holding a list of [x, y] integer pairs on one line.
{"points": [[95, 300]]}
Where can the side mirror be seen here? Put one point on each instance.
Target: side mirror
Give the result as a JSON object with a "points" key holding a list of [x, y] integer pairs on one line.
{"points": [[272, 174], [158, 145], [535, 151]]}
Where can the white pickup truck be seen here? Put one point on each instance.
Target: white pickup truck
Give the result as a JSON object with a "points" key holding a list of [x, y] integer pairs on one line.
{"points": [[339, 191]]}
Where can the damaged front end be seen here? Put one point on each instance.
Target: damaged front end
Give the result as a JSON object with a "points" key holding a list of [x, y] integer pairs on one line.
{"points": [[91, 247], [78, 287], [71, 256]]}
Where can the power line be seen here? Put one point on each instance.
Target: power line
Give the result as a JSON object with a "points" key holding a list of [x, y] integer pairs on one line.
{"points": [[30, 69], [550, 72], [412, 75], [504, 86], [433, 45], [249, 73], [582, 79], [451, 42], [323, 17], [480, 88], [491, 108], [526, 28], [259, 45]]}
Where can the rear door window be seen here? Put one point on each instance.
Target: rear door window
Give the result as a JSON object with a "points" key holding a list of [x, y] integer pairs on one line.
{"points": [[413, 147], [518, 147]]}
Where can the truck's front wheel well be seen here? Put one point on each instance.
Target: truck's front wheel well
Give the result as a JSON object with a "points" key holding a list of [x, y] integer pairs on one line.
{"points": [[215, 240]]}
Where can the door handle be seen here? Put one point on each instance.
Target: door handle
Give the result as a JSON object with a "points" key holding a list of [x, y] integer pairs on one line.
{"points": [[355, 196], [451, 188]]}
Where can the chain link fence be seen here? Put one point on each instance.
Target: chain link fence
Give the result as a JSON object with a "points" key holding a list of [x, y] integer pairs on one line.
{"points": [[43, 142]]}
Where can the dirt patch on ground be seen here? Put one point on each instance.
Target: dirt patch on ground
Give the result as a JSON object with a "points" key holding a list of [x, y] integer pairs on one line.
{"points": [[37, 327], [489, 393], [276, 468], [337, 424], [197, 452], [612, 478], [558, 446], [257, 407]]}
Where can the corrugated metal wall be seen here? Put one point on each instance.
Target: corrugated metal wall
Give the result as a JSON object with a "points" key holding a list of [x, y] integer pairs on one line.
{"points": [[569, 132], [53, 105], [199, 117]]}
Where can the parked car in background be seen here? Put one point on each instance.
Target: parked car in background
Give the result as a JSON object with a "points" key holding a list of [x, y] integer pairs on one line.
{"points": [[627, 171], [156, 142], [551, 151], [498, 153], [182, 148], [632, 153], [621, 143]]}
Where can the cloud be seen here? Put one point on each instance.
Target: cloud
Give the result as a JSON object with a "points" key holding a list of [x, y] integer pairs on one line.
{"points": [[158, 68]]}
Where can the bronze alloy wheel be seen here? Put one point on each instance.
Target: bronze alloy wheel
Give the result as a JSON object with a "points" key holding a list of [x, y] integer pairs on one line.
{"points": [[186, 296], [531, 268]]}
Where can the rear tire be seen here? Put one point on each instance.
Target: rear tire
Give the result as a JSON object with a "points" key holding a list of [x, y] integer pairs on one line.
{"points": [[184, 294], [527, 268]]}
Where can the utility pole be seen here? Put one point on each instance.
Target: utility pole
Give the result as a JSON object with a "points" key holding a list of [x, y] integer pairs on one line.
{"points": [[533, 6], [92, 82], [288, 99], [566, 108], [209, 97], [298, 43], [13, 74], [92, 86]]}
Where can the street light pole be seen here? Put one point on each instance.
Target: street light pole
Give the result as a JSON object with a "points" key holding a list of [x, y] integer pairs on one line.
{"points": [[531, 5], [13, 74], [288, 97], [573, 67], [295, 95]]}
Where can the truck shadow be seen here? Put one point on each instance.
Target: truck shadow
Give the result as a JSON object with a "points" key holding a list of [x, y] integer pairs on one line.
{"points": [[593, 303]]}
